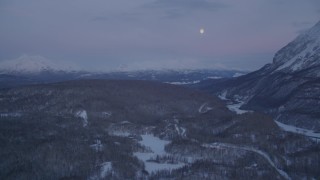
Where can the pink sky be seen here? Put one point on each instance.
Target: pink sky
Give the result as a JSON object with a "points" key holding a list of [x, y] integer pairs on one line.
{"points": [[150, 34]]}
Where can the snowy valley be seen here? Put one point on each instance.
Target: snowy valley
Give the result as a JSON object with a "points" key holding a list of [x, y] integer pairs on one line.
{"points": [[110, 129], [159, 90]]}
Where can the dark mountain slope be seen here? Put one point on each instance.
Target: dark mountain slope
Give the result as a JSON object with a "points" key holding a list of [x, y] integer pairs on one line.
{"points": [[288, 89], [127, 98]]}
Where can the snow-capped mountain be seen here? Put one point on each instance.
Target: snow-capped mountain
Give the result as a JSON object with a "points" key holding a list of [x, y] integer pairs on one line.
{"points": [[37, 69], [26, 64], [288, 88], [300, 54]]}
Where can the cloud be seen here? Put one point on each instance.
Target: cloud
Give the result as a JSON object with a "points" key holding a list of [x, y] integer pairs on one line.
{"points": [[186, 4], [179, 8], [122, 17], [172, 14], [163, 9], [302, 26], [100, 18]]}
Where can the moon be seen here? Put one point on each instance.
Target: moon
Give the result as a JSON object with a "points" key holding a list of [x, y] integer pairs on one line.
{"points": [[201, 31]]}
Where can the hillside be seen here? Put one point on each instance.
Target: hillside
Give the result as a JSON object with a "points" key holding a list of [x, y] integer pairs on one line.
{"points": [[287, 89], [102, 129]]}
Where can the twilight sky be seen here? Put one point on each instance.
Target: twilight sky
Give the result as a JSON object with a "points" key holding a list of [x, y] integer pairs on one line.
{"points": [[141, 34]]}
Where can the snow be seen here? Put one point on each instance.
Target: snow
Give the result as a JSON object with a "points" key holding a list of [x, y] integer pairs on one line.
{"points": [[120, 133], [293, 129], [10, 114], [233, 105], [156, 146], [204, 108], [236, 108], [97, 146], [223, 95], [287, 64], [83, 115], [298, 61], [86, 75], [251, 149], [181, 131], [183, 83], [214, 77], [297, 65], [117, 143], [125, 122], [237, 74], [105, 169], [107, 114], [131, 75], [177, 128]]}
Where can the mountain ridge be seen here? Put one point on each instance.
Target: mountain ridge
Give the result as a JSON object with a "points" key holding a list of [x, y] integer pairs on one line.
{"points": [[287, 89], [36, 64], [36, 70], [302, 53]]}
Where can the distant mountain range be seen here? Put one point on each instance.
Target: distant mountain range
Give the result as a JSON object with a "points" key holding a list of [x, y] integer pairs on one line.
{"points": [[288, 89], [36, 69], [26, 64]]}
